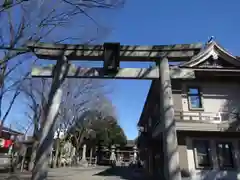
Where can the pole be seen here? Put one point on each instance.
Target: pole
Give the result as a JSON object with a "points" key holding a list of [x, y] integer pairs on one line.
{"points": [[170, 144]]}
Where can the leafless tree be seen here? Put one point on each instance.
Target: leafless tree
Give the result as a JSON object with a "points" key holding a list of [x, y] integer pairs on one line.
{"points": [[81, 96], [39, 20], [35, 92]]}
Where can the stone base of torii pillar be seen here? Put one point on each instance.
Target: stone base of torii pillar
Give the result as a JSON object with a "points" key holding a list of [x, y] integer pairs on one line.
{"points": [[83, 162]]}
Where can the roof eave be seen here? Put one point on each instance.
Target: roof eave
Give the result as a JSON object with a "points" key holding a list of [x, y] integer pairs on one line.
{"points": [[213, 50]]}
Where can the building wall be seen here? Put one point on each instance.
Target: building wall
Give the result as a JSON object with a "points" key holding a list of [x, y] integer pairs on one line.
{"points": [[216, 97], [186, 154], [177, 99], [182, 150]]}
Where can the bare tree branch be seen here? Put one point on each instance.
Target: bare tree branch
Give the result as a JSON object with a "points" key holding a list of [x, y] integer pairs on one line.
{"points": [[39, 20]]}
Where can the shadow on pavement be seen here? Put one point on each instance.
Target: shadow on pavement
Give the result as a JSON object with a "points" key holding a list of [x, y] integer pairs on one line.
{"points": [[5, 174], [127, 173], [13, 177]]}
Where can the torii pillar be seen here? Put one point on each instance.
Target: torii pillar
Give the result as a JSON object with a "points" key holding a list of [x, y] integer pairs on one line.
{"points": [[170, 144]]}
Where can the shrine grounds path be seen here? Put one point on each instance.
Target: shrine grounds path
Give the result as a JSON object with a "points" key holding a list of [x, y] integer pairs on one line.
{"points": [[80, 173]]}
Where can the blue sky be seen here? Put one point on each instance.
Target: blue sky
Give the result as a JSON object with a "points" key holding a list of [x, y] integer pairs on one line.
{"points": [[166, 22]]}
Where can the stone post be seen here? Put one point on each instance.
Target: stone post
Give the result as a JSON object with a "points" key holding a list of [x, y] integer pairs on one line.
{"points": [[90, 158], [51, 158], [135, 154], [113, 155], [170, 144], [84, 152], [83, 161], [96, 156], [118, 155]]}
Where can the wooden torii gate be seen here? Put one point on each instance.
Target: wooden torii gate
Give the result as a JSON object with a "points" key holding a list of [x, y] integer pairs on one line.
{"points": [[112, 54]]}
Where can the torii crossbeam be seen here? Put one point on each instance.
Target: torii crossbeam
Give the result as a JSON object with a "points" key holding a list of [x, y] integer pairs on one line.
{"points": [[136, 53], [123, 73], [112, 54]]}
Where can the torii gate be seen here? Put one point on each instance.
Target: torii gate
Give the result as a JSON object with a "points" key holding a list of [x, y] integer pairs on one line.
{"points": [[112, 54]]}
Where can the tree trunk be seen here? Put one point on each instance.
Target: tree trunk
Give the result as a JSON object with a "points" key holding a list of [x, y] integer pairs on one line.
{"points": [[23, 159], [55, 161], [78, 154], [40, 169], [59, 157], [33, 155]]}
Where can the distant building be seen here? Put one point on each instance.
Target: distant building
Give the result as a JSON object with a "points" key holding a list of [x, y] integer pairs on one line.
{"points": [[7, 133], [7, 138]]}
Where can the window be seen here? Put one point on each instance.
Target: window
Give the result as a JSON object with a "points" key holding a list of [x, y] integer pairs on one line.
{"points": [[202, 154], [224, 155], [194, 98]]}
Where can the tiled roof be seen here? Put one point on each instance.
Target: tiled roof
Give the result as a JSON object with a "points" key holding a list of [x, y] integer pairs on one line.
{"points": [[130, 143]]}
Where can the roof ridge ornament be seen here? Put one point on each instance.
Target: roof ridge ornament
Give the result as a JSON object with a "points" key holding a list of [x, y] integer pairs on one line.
{"points": [[208, 43], [210, 40]]}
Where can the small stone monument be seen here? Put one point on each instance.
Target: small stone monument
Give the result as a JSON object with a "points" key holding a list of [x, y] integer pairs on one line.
{"points": [[83, 161]]}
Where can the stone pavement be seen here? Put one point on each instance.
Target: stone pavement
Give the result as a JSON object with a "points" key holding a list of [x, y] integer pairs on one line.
{"points": [[77, 173]]}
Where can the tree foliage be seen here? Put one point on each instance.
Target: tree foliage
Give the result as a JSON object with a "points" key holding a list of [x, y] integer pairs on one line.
{"points": [[97, 129], [108, 132], [102, 131]]}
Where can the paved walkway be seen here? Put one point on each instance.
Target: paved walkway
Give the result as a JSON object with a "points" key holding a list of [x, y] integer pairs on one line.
{"points": [[75, 173]]}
